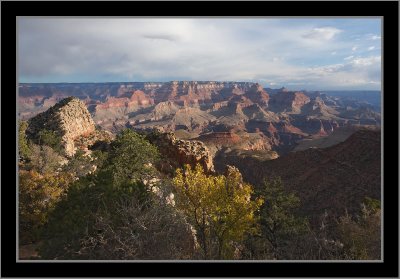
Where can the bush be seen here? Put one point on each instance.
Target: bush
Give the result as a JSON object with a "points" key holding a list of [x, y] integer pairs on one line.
{"points": [[80, 164], [139, 231], [51, 139], [38, 194], [44, 159], [361, 236]]}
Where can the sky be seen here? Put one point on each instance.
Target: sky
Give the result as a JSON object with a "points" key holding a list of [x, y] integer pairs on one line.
{"points": [[297, 53]]}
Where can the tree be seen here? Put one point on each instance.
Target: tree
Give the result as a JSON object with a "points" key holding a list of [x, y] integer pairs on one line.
{"points": [[219, 207], [71, 220], [278, 223], [50, 138], [131, 158], [23, 147]]}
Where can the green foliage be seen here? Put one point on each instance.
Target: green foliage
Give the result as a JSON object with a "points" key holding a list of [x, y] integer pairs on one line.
{"points": [[96, 199], [131, 158], [219, 207], [50, 138], [71, 220], [98, 221], [112, 214], [99, 158], [38, 195], [278, 223], [24, 150]]}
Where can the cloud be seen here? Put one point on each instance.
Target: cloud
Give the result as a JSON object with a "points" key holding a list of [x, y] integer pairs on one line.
{"points": [[267, 50], [348, 57], [354, 48], [324, 33], [375, 37], [355, 73], [371, 48], [167, 37], [367, 61]]}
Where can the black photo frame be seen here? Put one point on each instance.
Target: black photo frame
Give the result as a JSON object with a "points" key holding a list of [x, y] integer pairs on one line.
{"points": [[388, 268]]}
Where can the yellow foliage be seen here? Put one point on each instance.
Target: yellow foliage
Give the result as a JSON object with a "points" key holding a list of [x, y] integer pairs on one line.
{"points": [[38, 194], [219, 206]]}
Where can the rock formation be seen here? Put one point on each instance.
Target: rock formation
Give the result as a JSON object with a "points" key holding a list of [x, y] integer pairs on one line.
{"points": [[288, 101], [197, 108], [179, 152], [69, 118]]}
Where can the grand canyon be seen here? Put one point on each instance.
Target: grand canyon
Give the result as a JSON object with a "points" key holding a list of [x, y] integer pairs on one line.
{"points": [[234, 115], [324, 146]]}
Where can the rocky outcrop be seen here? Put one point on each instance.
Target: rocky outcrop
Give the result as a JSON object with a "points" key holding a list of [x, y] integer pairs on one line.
{"points": [[177, 152], [69, 118]]}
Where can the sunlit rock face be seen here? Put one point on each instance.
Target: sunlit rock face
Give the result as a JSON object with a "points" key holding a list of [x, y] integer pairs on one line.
{"points": [[69, 118]]}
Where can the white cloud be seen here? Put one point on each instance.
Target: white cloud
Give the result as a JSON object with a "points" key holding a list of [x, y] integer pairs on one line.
{"points": [[348, 57], [371, 48], [375, 37], [367, 61], [197, 49], [354, 73], [324, 33], [354, 48]]}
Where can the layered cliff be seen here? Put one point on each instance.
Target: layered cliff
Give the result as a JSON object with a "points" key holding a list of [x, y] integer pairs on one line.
{"points": [[288, 101], [199, 107]]}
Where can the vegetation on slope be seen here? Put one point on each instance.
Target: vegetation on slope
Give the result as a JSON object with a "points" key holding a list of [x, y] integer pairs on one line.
{"points": [[116, 204]]}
